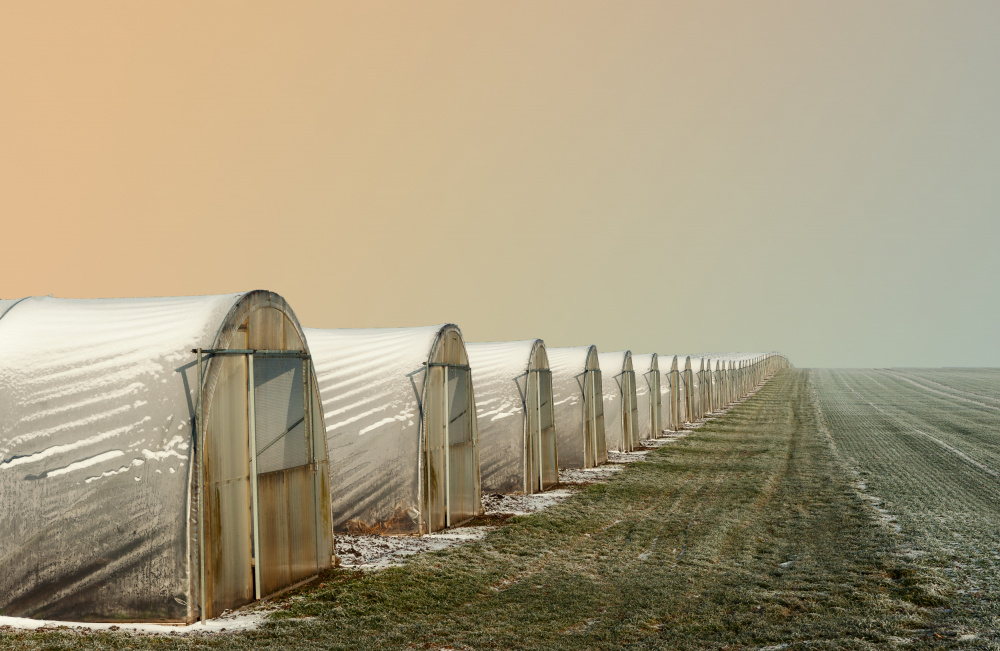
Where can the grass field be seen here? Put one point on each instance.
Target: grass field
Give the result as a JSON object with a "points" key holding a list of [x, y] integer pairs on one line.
{"points": [[758, 530], [925, 444]]}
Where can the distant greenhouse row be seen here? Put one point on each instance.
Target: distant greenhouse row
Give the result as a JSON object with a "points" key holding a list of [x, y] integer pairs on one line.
{"points": [[167, 459]]}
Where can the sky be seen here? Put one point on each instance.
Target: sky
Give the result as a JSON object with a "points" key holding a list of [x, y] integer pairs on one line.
{"points": [[817, 178]]}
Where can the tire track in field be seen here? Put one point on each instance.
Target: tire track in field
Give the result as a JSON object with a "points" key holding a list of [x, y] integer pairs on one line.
{"points": [[893, 451], [971, 431], [902, 439], [961, 382], [942, 393], [950, 448]]}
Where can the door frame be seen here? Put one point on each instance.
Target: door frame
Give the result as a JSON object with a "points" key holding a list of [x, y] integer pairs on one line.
{"points": [[204, 355]]}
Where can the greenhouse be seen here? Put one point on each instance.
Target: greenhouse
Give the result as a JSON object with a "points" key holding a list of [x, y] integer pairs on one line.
{"points": [[151, 452], [579, 409], [649, 396], [400, 427], [620, 410], [517, 434]]}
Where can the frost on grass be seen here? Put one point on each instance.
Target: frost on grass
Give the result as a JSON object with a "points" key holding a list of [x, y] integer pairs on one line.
{"points": [[499, 505], [919, 445], [374, 552]]}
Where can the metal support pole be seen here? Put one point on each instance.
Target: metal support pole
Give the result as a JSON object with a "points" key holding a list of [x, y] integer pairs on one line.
{"points": [[593, 418], [627, 415], [254, 513], [311, 445], [538, 419], [657, 428], [200, 436], [447, 453]]}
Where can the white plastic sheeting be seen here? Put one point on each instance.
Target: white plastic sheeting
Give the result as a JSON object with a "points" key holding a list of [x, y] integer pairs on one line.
{"points": [[576, 391], [508, 406], [7, 303], [97, 399], [373, 384]]}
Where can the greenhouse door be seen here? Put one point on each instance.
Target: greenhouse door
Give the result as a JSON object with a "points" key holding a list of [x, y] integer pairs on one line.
{"points": [[655, 404], [281, 456], [633, 411], [629, 410], [226, 531], [461, 448], [540, 441], [532, 452], [691, 395], [547, 430], [540, 460], [593, 403], [451, 490]]}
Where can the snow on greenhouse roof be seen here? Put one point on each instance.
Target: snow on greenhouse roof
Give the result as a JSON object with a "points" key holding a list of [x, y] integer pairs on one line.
{"points": [[98, 399]]}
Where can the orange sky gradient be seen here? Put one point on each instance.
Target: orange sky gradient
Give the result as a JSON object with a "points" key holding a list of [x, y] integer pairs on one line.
{"points": [[818, 178]]}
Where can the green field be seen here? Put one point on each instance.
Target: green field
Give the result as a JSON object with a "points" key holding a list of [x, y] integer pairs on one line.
{"points": [[925, 444], [834, 509]]}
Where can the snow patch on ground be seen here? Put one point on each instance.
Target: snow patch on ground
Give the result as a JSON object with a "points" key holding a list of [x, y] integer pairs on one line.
{"points": [[228, 623], [374, 552], [588, 475], [524, 504]]}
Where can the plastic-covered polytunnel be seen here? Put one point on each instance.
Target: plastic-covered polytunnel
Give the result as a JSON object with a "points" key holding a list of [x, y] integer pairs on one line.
{"points": [[400, 426], [517, 433], [143, 481], [649, 395], [579, 407], [620, 409]]}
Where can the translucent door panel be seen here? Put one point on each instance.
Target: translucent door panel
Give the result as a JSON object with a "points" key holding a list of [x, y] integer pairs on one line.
{"points": [[531, 436], [280, 414], [228, 528], [596, 418], [285, 489], [590, 421], [632, 415], [434, 451], [463, 493], [550, 470]]}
